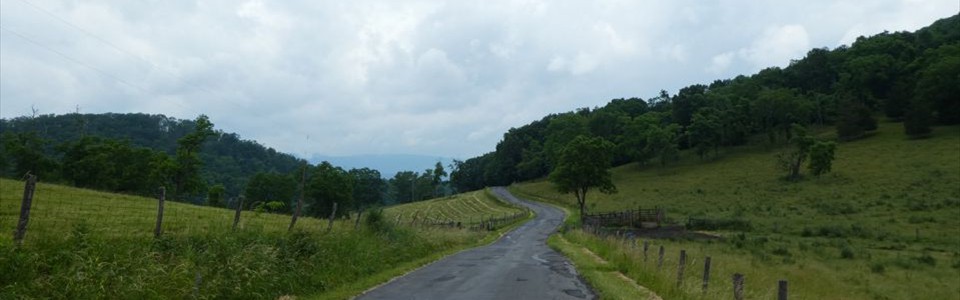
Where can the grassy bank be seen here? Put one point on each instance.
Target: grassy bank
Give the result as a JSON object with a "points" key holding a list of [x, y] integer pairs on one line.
{"points": [[467, 208], [83, 243], [883, 225]]}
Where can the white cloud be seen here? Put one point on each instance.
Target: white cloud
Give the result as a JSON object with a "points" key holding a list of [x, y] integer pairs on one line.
{"points": [[777, 46], [720, 62], [418, 77]]}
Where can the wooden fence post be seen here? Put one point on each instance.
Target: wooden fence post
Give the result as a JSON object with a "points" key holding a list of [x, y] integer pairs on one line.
{"points": [[296, 213], [356, 224], [660, 259], [29, 187], [236, 215], [158, 230], [333, 215], [646, 245], [782, 290], [683, 262], [706, 273], [738, 286]]}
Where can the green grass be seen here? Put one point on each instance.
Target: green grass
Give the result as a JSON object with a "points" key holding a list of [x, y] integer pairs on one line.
{"points": [[468, 208], [851, 234], [82, 243]]}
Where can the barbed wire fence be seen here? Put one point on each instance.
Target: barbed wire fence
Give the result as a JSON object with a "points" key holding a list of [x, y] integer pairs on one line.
{"points": [[54, 212], [51, 212]]}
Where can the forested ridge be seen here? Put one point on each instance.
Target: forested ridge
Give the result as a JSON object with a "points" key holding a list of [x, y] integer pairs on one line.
{"points": [[909, 77], [136, 153], [227, 158]]}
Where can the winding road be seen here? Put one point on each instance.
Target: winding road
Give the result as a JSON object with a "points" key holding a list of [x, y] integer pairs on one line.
{"points": [[517, 266]]}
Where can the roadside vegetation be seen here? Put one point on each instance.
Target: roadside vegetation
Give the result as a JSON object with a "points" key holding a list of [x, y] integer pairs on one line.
{"points": [[882, 225], [83, 242]]}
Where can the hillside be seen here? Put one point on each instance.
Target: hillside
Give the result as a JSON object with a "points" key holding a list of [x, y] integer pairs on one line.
{"points": [[905, 76], [228, 159], [889, 210], [82, 242]]}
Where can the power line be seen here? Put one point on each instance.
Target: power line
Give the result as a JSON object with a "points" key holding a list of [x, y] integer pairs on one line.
{"points": [[112, 45], [67, 57]]}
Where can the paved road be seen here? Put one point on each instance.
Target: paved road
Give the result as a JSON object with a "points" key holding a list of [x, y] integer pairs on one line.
{"points": [[518, 266]]}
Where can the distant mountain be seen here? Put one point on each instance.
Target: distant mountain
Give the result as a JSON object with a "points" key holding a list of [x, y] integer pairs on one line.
{"points": [[387, 164]]}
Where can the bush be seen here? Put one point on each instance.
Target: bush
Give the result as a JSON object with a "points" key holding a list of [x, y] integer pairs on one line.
{"points": [[376, 221], [846, 252], [878, 268]]}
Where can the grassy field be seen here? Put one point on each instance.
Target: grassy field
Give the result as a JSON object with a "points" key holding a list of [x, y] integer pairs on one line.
{"points": [[84, 243], [468, 208], [885, 224]]}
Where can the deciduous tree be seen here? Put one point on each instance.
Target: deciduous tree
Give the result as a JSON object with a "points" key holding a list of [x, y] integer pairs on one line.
{"points": [[583, 166]]}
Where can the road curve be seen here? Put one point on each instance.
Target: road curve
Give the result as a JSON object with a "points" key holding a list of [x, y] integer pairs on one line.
{"points": [[517, 266]]}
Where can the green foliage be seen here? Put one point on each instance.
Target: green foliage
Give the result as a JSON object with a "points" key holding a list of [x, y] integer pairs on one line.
{"points": [[26, 149], [791, 160], [880, 191], [227, 159], [88, 244], [705, 131], [821, 157], [918, 119], [842, 87], [327, 185], [939, 84], [270, 187], [215, 195], [375, 221], [582, 166], [854, 121], [186, 175], [368, 187]]}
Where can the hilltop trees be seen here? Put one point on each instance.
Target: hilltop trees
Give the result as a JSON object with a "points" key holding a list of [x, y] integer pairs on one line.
{"points": [[328, 184], [186, 171], [902, 75], [582, 166]]}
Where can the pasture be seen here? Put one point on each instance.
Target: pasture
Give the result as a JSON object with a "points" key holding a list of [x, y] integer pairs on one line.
{"points": [[885, 224]]}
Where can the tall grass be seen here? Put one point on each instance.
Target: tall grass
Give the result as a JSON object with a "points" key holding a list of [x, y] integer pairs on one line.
{"points": [[88, 244]]}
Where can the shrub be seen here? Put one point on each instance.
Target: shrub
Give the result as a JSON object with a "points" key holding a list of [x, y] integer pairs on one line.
{"points": [[878, 268], [846, 252], [376, 221]]}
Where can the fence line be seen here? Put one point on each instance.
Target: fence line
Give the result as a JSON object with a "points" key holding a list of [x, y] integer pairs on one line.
{"points": [[683, 259], [50, 211]]}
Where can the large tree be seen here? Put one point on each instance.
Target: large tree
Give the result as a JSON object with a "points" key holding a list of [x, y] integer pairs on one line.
{"points": [[186, 177], [368, 187], [583, 166]]}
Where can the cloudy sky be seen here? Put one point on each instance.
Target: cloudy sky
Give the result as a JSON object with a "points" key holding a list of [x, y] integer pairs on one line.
{"points": [[417, 77]]}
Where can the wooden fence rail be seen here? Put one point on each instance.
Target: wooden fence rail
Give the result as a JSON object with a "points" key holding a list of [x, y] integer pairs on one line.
{"points": [[627, 218]]}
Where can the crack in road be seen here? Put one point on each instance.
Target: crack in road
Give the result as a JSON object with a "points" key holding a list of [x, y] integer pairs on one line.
{"points": [[518, 266]]}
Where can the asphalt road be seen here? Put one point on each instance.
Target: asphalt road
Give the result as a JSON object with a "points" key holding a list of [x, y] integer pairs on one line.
{"points": [[518, 266]]}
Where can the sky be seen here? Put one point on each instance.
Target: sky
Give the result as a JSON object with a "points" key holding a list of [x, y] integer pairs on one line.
{"points": [[435, 78]]}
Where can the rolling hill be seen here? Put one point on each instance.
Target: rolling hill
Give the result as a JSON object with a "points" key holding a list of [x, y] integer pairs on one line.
{"points": [[889, 210]]}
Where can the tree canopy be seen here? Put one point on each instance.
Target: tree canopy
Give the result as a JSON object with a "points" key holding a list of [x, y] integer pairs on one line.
{"points": [[582, 166]]}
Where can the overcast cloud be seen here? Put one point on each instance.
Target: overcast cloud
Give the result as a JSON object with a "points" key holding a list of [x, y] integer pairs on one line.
{"points": [[416, 77]]}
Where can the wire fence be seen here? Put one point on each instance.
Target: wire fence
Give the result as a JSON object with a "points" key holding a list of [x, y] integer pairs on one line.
{"points": [[55, 211]]}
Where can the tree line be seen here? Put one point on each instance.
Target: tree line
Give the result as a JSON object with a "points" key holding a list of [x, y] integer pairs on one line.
{"points": [[137, 153], [913, 77]]}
